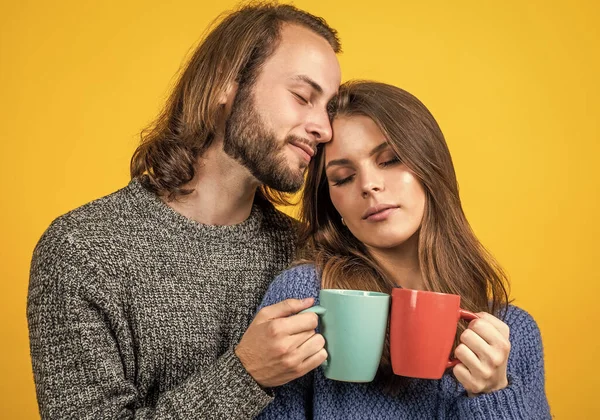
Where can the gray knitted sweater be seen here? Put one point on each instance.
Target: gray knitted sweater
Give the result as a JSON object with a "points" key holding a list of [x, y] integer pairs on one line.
{"points": [[134, 310]]}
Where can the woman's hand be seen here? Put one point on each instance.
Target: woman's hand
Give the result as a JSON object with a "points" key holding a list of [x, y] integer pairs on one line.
{"points": [[484, 353]]}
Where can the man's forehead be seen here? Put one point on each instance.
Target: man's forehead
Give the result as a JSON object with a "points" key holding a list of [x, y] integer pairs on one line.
{"points": [[326, 88], [303, 56]]}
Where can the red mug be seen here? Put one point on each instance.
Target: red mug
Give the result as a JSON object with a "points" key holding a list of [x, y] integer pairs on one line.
{"points": [[422, 330]]}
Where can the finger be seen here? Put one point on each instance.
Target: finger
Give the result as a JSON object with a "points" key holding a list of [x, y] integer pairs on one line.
{"points": [[313, 361], [488, 332], [476, 344], [497, 323], [462, 375], [296, 324], [311, 346], [297, 340], [283, 309], [468, 358]]}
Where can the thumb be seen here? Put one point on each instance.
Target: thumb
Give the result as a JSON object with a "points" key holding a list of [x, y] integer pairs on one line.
{"points": [[285, 308]]}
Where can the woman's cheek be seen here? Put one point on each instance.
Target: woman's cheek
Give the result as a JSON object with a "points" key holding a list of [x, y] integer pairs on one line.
{"points": [[338, 202]]}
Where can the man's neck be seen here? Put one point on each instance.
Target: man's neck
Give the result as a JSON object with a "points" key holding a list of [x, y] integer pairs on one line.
{"points": [[223, 190]]}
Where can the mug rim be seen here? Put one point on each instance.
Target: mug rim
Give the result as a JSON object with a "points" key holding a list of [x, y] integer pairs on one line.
{"points": [[425, 292], [355, 293]]}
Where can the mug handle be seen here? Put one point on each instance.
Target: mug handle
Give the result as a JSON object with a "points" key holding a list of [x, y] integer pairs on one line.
{"points": [[319, 310], [468, 316]]}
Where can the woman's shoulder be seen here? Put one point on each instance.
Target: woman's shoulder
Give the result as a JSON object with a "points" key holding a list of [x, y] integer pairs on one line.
{"points": [[300, 278], [298, 282], [523, 326], [518, 317], [301, 270]]}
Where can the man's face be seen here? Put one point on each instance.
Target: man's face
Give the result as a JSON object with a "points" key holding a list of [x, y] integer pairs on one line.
{"points": [[275, 125]]}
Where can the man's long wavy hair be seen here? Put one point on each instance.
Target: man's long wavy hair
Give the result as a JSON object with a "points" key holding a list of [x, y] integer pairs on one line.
{"points": [[233, 51], [451, 259]]}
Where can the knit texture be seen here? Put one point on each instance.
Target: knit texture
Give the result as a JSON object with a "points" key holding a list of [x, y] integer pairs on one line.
{"points": [[134, 310], [314, 396]]}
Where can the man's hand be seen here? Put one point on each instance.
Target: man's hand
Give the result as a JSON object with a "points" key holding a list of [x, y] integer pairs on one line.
{"points": [[277, 348]]}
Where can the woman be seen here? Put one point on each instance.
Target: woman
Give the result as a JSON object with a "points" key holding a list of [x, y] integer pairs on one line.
{"points": [[382, 210]]}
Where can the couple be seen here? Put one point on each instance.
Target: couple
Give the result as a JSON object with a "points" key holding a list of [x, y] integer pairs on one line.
{"points": [[142, 304]]}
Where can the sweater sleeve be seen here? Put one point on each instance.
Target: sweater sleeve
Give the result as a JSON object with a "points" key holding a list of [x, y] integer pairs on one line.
{"points": [[83, 359], [294, 399], [525, 396]]}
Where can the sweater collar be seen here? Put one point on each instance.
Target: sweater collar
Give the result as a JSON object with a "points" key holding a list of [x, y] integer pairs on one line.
{"points": [[153, 207]]}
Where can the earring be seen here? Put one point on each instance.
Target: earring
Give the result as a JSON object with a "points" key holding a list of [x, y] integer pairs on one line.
{"points": [[343, 223]]}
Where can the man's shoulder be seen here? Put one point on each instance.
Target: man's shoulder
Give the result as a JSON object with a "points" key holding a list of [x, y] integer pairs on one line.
{"points": [[95, 222]]}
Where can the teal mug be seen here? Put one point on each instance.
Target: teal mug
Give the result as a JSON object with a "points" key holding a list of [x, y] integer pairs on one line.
{"points": [[354, 324]]}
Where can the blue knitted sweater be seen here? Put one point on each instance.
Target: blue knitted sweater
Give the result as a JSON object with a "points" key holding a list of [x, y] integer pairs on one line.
{"points": [[314, 396]]}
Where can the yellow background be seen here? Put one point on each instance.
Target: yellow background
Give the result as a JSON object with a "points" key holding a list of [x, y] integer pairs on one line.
{"points": [[514, 86]]}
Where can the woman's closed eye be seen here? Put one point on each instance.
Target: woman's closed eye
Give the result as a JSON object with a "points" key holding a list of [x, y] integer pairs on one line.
{"points": [[342, 181], [393, 161]]}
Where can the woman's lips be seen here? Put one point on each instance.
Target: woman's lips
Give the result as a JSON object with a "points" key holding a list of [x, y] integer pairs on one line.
{"points": [[379, 212]]}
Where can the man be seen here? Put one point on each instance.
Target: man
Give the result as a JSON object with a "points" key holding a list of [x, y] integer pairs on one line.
{"points": [[140, 302]]}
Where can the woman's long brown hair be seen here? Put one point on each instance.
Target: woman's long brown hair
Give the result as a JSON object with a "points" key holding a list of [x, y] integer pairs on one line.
{"points": [[451, 259]]}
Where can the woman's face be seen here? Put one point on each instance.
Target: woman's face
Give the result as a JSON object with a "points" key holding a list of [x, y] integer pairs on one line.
{"points": [[379, 198]]}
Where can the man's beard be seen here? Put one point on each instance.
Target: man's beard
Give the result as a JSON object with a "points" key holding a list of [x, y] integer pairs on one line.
{"points": [[249, 141]]}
